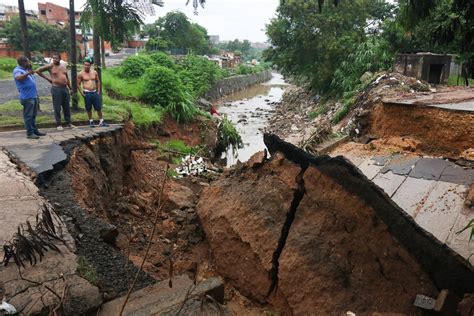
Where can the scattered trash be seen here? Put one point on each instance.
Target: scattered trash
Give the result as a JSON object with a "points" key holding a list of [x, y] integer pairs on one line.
{"points": [[8, 309], [192, 166]]}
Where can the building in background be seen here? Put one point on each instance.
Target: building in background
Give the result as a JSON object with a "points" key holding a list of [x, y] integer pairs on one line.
{"points": [[214, 39], [53, 14]]}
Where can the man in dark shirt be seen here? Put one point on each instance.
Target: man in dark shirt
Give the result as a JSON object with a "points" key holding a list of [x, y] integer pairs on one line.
{"points": [[26, 84]]}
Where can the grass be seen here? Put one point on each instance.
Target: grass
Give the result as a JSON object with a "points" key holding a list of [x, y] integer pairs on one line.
{"points": [[114, 110], [453, 81], [5, 74], [8, 64], [320, 110], [342, 112], [86, 271], [121, 87]]}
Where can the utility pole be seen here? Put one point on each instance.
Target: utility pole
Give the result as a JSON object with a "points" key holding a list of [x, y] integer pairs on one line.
{"points": [[24, 29], [73, 54]]}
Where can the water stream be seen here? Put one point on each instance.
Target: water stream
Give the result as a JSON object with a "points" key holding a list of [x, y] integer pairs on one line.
{"points": [[249, 110]]}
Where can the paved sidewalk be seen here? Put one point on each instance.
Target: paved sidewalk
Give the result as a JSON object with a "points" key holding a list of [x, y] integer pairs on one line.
{"points": [[431, 190], [41, 155], [20, 202]]}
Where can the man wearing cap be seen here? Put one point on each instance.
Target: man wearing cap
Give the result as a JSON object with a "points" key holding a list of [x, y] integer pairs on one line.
{"points": [[26, 84], [90, 91]]}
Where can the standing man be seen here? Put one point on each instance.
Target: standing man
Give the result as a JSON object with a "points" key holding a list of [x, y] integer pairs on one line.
{"points": [[59, 90], [26, 84], [90, 91]]}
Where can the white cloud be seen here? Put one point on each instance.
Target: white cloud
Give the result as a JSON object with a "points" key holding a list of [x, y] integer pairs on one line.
{"points": [[242, 19]]}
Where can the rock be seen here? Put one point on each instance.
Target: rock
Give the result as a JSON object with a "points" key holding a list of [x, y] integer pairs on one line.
{"points": [[204, 104], [161, 299], [242, 121], [405, 143], [466, 306], [242, 116], [109, 234], [169, 228], [257, 159], [322, 266], [179, 196]]}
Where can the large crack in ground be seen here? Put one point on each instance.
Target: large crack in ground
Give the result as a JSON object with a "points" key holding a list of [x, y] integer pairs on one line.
{"points": [[298, 195]]}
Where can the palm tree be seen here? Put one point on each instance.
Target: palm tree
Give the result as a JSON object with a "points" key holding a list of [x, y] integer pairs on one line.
{"points": [[24, 29]]}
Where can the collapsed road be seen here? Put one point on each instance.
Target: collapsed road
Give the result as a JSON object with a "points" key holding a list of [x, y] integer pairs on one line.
{"points": [[368, 229]]}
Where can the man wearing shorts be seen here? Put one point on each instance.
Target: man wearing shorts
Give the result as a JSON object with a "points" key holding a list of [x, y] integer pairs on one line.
{"points": [[59, 90], [90, 91]]}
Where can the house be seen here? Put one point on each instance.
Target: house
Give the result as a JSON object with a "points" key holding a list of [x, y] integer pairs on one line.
{"points": [[433, 68], [53, 14]]}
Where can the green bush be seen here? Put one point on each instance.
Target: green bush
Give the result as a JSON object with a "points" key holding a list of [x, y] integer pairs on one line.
{"points": [[183, 111], [162, 86], [199, 74], [135, 66], [228, 135], [163, 59], [320, 110], [7, 64]]}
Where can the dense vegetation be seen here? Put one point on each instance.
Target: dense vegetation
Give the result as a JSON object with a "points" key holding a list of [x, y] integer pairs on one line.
{"points": [[41, 36], [329, 47], [174, 32]]}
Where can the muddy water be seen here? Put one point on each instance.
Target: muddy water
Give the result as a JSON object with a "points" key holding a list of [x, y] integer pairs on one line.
{"points": [[249, 110]]}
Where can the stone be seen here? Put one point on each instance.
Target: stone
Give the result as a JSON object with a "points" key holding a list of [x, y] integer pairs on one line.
{"points": [[369, 168], [389, 182], [109, 233], [429, 168], [257, 159], [161, 299], [425, 302], [440, 210], [466, 306], [179, 196], [412, 194], [456, 174], [401, 164]]}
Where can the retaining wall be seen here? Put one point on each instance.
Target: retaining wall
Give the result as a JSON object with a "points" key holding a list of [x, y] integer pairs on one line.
{"points": [[233, 84]]}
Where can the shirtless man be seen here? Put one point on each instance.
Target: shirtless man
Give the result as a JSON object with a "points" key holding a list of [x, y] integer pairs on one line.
{"points": [[90, 91], [59, 90]]}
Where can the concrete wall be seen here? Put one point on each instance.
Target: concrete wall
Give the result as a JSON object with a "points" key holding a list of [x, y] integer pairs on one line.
{"points": [[420, 66], [233, 84]]}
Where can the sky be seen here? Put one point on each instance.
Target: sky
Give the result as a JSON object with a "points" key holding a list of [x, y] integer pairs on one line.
{"points": [[230, 19]]}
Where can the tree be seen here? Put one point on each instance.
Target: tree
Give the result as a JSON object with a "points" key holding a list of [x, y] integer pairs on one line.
{"points": [[24, 29], [113, 19], [176, 33], [41, 36], [310, 42], [443, 25]]}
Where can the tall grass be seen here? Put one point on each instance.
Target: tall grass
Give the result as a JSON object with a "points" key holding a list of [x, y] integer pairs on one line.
{"points": [[122, 87]]}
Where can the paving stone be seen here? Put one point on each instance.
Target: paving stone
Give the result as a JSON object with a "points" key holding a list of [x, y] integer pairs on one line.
{"points": [[401, 164], [457, 174], [441, 209], [381, 160], [412, 194], [160, 299], [429, 168], [460, 242], [369, 168], [389, 182]]}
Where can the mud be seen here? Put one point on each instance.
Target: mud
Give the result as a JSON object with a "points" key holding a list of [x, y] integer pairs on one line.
{"points": [[437, 131], [326, 250]]}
